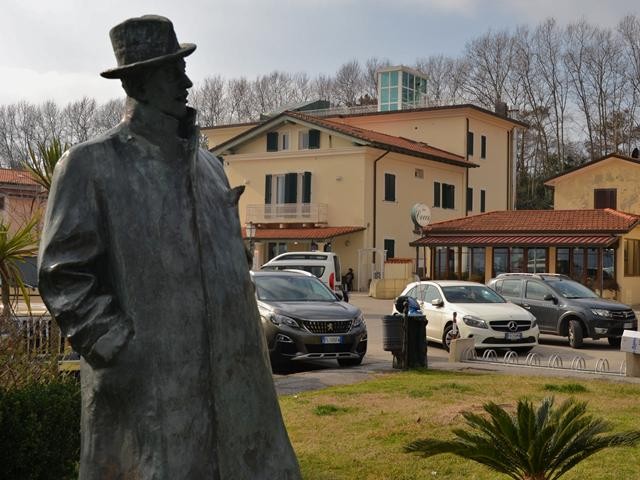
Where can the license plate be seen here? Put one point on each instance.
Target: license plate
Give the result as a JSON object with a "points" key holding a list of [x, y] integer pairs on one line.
{"points": [[628, 325], [331, 339], [513, 335]]}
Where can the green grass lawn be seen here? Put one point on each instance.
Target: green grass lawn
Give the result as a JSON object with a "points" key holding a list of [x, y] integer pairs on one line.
{"points": [[358, 431]]}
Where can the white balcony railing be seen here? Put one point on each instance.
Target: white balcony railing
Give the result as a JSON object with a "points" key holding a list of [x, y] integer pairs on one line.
{"points": [[287, 213]]}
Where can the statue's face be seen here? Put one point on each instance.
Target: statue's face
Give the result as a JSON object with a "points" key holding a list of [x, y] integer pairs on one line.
{"points": [[166, 88]]}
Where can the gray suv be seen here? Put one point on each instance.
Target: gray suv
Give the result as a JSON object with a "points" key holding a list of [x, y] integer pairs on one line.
{"points": [[565, 307]]}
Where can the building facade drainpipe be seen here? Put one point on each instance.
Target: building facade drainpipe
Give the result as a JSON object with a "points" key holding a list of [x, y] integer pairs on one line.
{"points": [[375, 200]]}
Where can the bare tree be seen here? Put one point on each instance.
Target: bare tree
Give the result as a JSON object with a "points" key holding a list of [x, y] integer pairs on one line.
{"points": [[349, 83], [109, 115], [370, 78], [210, 100], [489, 60], [323, 87], [445, 79], [80, 119], [240, 101]]}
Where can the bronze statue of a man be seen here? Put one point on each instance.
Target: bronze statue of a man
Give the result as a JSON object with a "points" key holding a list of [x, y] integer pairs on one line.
{"points": [[143, 266]]}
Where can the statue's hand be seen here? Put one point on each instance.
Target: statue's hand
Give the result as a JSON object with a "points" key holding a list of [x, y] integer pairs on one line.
{"points": [[107, 347]]}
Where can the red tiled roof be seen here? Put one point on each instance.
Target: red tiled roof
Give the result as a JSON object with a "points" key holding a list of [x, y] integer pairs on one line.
{"points": [[382, 140], [319, 233], [17, 177], [550, 222], [516, 240]]}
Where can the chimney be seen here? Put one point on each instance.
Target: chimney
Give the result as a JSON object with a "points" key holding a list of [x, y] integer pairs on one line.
{"points": [[501, 108]]}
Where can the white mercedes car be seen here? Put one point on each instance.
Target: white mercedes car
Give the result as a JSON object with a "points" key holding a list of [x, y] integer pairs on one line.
{"points": [[480, 313]]}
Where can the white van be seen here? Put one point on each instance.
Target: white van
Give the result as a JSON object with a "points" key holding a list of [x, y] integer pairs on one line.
{"points": [[324, 265]]}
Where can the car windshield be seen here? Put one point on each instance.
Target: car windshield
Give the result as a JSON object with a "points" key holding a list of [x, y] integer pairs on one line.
{"points": [[571, 289], [471, 294], [277, 288]]}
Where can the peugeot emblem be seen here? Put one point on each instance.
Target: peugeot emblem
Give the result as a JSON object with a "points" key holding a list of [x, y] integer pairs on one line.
{"points": [[513, 326], [330, 327]]}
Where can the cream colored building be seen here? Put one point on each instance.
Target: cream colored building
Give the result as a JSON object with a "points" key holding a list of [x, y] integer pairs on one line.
{"points": [[349, 182]]}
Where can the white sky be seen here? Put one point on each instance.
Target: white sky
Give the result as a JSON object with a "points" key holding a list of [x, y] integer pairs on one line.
{"points": [[55, 49]]}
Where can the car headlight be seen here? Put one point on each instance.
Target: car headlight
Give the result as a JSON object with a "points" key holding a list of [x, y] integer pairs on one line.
{"points": [[278, 319], [601, 313], [358, 321], [474, 321], [534, 322]]}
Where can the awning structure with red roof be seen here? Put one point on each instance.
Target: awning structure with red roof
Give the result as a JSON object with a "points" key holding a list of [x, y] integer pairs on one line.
{"points": [[532, 228], [316, 233]]}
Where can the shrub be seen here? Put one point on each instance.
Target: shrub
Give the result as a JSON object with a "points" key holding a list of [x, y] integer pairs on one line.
{"points": [[40, 430]]}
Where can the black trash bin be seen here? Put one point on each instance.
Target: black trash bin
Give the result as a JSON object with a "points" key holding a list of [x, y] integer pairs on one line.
{"points": [[405, 337]]}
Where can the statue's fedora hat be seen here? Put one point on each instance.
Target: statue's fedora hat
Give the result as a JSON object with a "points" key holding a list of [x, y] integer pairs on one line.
{"points": [[142, 42]]}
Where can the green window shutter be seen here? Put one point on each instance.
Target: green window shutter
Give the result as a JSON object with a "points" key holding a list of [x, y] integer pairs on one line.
{"points": [[314, 138], [291, 188], [483, 147], [272, 141], [483, 196], [267, 189], [436, 194], [389, 187], [306, 187], [469, 143], [469, 199]]}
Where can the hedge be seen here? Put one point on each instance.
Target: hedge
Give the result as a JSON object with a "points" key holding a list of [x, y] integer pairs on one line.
{"points": [[40, 431]]}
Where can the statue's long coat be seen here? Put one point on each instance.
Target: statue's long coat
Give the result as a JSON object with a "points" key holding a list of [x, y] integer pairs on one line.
{"points": [[142, 243]]}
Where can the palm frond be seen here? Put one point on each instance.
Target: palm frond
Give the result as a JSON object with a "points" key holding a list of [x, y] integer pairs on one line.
{"points": [[545, 442]]}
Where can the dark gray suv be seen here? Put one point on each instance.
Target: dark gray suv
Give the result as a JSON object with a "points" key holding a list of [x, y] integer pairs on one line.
{"points": [[565, 307]]}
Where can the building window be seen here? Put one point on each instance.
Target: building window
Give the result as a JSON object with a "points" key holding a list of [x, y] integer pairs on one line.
{"points": [[303, 140], [483, 198], [436, 194], [418, 173], [272, 141], [314, 139], [536, 260], [583, 265], [469, 199], [389, 187], [604, 198], [483, 146], [448, 196], [285, 141], [632, 258], [275, 248], [473, 262], [390, 247], [470, 143], [284, 188], [446, 263], [512, 260], [2, 202], [389, 91]]}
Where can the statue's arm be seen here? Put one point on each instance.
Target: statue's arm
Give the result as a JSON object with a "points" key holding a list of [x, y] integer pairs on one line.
{"points": [[74, 278]]}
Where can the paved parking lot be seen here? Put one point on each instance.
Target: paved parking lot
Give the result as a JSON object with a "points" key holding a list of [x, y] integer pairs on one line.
{"points": [[310, 376]]}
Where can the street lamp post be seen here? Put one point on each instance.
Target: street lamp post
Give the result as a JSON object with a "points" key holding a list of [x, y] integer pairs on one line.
{"points": [[251, 233]]}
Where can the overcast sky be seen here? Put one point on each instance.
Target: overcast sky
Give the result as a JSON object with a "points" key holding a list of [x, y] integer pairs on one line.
{"points": [[56, 49]]}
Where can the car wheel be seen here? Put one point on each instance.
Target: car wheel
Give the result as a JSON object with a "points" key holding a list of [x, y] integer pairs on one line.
{"points": [[350, 362], [614, 341], [575, 334], [278, 361], [447, 336]]}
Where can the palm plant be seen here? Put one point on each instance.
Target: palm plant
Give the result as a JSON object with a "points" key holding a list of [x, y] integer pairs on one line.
{"points": [[43, 159], [15, 247], [531, 444]]}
